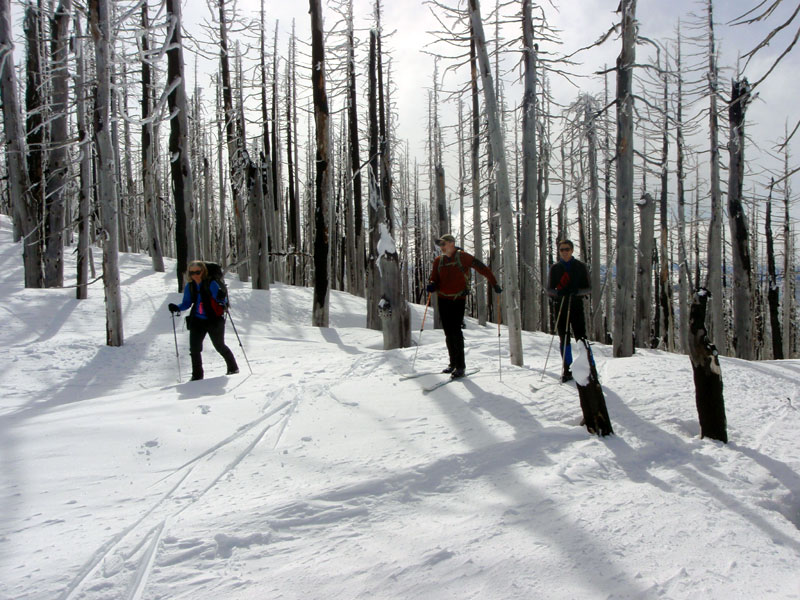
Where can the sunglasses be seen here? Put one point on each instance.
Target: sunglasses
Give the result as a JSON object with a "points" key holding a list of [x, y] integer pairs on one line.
{"points": [[195, 272], [565, 249]]}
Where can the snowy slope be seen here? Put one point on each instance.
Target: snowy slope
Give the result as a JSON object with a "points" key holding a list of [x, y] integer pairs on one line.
{"points": [[324, 475]]}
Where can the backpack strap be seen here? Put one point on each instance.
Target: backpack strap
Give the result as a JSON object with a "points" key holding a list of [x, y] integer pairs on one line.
{"points": [[464, 271]]}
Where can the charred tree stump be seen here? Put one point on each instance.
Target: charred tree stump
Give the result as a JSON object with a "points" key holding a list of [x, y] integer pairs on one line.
{"points": [[707, 372], [590, 392]]}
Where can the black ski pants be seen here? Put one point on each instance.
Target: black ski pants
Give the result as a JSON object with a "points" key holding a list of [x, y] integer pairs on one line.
{"points": [[451, 313], [570, 308], [215, 329]]}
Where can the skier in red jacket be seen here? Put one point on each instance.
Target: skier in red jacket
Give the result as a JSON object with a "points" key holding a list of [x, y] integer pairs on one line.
{"points": [[450, 280]]}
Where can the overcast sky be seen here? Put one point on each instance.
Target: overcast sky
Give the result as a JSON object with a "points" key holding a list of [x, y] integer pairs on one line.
{"points": [[580, 22]]}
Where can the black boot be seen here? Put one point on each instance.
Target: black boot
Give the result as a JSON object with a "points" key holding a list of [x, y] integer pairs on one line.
{"points": [[233, 368], [197, 366]]}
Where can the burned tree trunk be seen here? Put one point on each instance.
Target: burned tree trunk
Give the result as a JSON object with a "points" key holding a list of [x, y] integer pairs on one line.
{"points": [[85, 184], [740, 242], [716, 248], [180, 159], [707, 372], [148, 155], [626, 276], [54, 223], [373, 291], [357, 266], [530, 290], [100, 26], [24, 209], [590, 392], [235, 147], [509, 244], [320, 309], [475, 149], [644, 287], [772, 284], [35, 121]]}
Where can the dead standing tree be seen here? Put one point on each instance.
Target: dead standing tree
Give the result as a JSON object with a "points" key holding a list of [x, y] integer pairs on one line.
{"points": [[393, 308], [715, 246], [100, 27], [320, 308], [235, 147], [707, 372], [148, 150], [509, 245], [24, 210], [644, 287], [740, 236], [180, 161], [626, 275], [54, 250], [530, 286]]}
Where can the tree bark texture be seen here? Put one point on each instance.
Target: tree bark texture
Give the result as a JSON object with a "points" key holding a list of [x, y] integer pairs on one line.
{"points": [[148, 154], [707, 372], [715, 247], [773, 295], [55, 213], [509, 245], [624, 305], [320, 309], [180, 159], [644, 268], [475, 149], [737, 219], [530, 289], [85, 168], [100, 26], [24, 209]]}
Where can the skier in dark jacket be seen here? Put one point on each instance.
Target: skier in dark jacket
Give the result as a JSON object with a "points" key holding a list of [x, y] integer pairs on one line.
{"points": [[206, 317], [568, 283], [450, 280]]}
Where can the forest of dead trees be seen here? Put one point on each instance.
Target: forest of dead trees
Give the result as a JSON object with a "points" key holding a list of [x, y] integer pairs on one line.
{"points": [[285, 163]]}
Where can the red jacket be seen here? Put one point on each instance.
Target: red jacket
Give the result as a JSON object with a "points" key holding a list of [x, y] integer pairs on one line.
{"points": [[452, 278]]}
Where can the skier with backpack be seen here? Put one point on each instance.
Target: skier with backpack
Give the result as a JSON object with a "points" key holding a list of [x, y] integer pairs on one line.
{"points": [[207, 296], [450, 280]]}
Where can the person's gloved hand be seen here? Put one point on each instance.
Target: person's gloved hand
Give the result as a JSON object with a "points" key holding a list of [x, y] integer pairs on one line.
{"points": [[431, 287], [173, 308], [498, 289]]}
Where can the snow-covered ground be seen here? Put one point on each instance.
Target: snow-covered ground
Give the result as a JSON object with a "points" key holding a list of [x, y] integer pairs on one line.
{"points": [[324, 475]]}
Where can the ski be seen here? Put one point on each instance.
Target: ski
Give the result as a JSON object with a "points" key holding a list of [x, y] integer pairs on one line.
{"points": [[439, 384], [416, 375]]}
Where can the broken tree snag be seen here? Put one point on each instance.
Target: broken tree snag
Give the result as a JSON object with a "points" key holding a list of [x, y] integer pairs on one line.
{"points": [[707, 372], [593, 401]]}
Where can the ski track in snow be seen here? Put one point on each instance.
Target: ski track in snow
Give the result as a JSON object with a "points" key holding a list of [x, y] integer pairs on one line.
{"points": [[171, 505]]}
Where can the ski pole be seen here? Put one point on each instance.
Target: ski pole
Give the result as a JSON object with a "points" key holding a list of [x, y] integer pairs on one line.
{"points": [[228, 312], [499, 351], [177, 355], [547, 358], [419, 339]]}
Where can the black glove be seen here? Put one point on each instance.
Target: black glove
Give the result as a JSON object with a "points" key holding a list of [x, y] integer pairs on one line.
{"points": [[431, 287], [498, 289], [173, 308]]}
